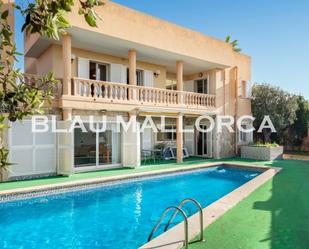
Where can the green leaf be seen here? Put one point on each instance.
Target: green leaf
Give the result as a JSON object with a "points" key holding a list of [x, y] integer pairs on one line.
{"points": [[227, 38], [27, 22], [90, 20], [5, 14]]}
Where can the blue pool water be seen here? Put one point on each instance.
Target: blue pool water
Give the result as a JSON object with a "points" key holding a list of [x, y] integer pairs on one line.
{"points": [[116, 217]]}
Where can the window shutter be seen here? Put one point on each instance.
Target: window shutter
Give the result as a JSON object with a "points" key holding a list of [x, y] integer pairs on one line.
{"points": [[189, 86], [83, 68], [118, 73], [148, 78], [189, 140], [209, 144]]}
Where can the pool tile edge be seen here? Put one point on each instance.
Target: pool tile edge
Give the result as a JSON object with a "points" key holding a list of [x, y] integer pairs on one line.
{"points": [[20, 193]]}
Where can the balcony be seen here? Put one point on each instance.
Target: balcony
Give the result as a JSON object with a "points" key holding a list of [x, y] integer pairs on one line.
{"points": [[118, 93], [91, 94]]}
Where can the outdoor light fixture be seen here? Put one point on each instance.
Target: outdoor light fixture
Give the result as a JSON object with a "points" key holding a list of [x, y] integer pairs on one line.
{"points": [[73, 57], [157, 73]]}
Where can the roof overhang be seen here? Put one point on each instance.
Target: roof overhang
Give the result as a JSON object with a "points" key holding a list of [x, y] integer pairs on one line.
{"points": [[101, 43], [156, 41]]}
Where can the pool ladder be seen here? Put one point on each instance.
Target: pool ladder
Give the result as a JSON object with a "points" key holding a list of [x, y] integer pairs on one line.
{"points": [[177, 210]]}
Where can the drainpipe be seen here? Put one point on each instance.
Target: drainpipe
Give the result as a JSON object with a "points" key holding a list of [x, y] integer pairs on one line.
{"points": [[236, 109]]}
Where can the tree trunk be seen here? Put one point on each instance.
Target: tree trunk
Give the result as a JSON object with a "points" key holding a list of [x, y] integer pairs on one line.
{"points": [[266, 134], [1, 175]]}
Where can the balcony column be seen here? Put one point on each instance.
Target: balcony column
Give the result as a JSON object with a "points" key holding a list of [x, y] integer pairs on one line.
{"points": [[179, 68], [179, 137], [132, 67], [179, 78], [67, 114], [132, 73], [66, 58]]}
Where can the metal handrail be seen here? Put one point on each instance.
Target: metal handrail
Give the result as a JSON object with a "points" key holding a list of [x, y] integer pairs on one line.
{"points": [[180, 208], [186, 242]]}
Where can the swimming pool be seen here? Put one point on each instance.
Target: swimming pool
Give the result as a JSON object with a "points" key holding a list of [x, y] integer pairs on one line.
{"points": [[115, 216]]}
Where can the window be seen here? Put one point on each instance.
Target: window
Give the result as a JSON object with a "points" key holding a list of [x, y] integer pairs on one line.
{"points": [[171, 87], [246, 137], [201, 86], [171, 84], [243, 135], [98, 71], [139, 77], [168, 135], [96, 149]]}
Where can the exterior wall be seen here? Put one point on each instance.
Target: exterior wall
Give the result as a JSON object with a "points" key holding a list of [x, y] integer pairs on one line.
{"points": [[244, 106], [128, 24], [51, 60], [45, 63], [224, 144]]}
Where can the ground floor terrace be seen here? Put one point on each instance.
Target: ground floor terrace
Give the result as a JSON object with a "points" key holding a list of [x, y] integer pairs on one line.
{"points": [[273, 216], [70, 147]]}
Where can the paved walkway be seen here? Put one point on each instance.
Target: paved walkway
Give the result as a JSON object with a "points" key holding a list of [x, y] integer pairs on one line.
{"points": [[296, 157]]}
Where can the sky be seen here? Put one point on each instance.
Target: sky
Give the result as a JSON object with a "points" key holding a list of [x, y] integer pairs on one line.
{"points": [[275, 33]]}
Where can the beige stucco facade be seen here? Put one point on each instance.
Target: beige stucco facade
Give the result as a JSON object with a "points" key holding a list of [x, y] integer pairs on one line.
{"points": [[180, 73]]}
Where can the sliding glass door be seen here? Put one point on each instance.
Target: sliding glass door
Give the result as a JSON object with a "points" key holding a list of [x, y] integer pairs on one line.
{"points": [[203, 142], [96, 150], [84, 147]]}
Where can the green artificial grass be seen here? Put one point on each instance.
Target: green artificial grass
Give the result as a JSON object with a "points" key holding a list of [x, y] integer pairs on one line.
{"points": [[275, 216]]}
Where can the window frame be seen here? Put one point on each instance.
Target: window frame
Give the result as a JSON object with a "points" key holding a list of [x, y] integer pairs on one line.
{"points": [[138, 71], [97, 63], [203, 81]]}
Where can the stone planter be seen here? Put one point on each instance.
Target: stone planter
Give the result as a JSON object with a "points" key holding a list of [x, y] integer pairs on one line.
{"points": [[262, 153]]}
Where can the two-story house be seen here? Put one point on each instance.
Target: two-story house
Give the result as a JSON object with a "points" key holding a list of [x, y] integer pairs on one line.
{"points": [[135, 65]]}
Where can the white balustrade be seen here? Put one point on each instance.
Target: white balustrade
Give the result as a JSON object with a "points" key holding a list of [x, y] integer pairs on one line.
{"points": [[124, 93]]}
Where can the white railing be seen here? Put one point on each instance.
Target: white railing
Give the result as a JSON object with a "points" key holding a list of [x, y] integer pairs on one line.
{"points": [[123, 93]]}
